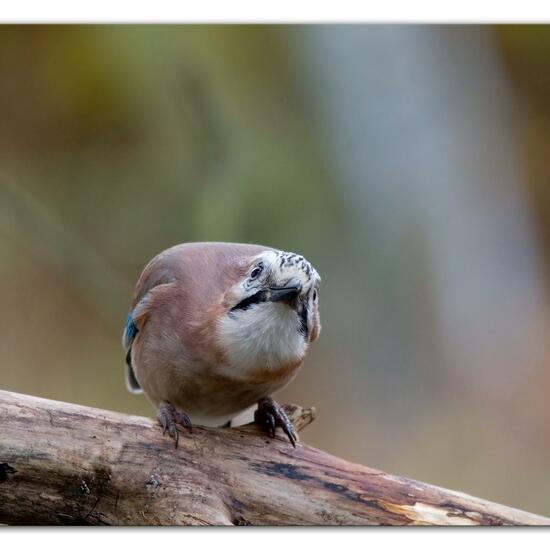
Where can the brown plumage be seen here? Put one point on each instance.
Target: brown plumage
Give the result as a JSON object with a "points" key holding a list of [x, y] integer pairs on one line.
{"points": [[216, 327]]}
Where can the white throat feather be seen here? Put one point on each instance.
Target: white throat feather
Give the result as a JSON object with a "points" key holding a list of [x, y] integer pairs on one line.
{"points": [[266, 335]]}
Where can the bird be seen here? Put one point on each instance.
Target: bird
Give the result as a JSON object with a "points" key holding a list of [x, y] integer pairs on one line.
{"points": [[215, 328]]}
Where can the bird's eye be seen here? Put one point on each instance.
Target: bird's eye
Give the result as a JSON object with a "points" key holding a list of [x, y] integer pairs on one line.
{"points": [[256, 272], [314, 295]]}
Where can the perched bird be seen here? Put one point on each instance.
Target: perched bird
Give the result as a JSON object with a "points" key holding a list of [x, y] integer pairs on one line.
{"points": [[217, 327]]}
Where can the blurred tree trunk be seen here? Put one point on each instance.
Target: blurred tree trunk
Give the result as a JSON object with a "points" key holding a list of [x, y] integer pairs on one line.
{"points": [[418, 122]]}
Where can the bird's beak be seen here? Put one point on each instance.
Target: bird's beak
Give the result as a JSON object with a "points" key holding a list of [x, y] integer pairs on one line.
{"points": [[286, 294]]}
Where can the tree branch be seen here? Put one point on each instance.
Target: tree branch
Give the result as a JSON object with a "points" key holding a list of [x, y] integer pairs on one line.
{"points": [[67, 464]]}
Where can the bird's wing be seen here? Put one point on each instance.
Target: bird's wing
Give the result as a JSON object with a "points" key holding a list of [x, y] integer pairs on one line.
{"points": [[130, 332], [156, 280]]}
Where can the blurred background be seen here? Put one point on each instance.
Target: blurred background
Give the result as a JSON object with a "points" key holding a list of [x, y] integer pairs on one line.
{"points": [[409, 164]]}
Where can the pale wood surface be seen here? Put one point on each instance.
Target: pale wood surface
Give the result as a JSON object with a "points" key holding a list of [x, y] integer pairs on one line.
{"points": [[66, 464]]}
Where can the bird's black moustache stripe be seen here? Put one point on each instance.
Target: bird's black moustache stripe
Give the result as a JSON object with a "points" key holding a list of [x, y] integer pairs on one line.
{"points": [[303, 320], [258, 298]]}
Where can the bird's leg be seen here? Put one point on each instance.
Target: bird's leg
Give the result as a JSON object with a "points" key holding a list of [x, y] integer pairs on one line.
{"points": [[270, 415], [169, 417]]}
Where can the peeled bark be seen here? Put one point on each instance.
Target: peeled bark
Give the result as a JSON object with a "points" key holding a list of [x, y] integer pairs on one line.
{"points": [[66, 464]]}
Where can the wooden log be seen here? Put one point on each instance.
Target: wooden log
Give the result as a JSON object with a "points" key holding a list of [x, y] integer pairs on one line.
{"points": [[67, 464]]}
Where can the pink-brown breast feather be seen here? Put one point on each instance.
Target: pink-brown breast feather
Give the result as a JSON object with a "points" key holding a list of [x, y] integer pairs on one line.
{"points": [[186, 284], [180, 297]]}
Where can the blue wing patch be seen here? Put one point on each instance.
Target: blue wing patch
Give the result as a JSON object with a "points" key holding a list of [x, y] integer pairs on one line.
{"points": [[130, 331]]}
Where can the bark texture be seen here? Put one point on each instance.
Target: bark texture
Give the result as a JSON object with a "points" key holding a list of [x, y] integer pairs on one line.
{"points": [[66, 464]]}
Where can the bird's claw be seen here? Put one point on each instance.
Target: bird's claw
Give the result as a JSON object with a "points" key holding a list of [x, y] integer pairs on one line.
{"points": [[271, 415], [169, 417]]}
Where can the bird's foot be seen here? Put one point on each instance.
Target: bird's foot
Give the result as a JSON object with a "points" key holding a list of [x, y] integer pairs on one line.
{"points": [[169, 418], [270, 415]]}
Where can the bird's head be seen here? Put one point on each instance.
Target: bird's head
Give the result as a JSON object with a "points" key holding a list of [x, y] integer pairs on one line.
{"points": [[277, 284]]}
